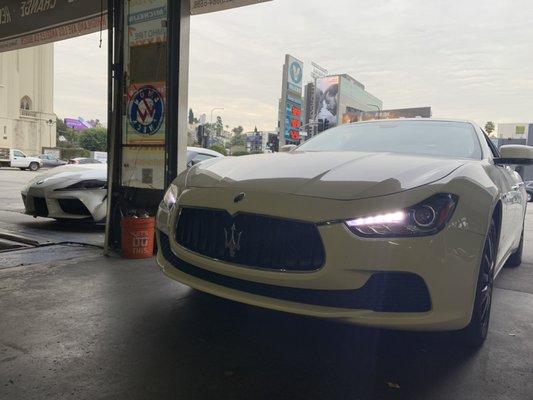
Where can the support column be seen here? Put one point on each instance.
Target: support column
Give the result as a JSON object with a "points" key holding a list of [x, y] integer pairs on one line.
{"points": [[148, 115]]}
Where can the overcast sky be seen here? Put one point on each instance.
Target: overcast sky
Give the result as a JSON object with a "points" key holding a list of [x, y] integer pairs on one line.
{"points": [[467, 59]]}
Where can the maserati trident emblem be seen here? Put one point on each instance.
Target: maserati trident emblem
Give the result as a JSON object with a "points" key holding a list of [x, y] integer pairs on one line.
{"points": [[240, 197], [232, 244]]}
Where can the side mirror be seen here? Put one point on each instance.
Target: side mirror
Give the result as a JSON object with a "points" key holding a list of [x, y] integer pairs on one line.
{"points": [[287, 148], [515, 154]]}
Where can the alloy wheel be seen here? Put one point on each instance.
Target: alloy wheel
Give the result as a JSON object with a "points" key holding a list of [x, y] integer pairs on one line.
{"points": [[486, 279]]}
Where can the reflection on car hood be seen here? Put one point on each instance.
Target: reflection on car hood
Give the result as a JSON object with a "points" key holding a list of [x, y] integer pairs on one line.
{"points": [[336, 175], [70, 173]]}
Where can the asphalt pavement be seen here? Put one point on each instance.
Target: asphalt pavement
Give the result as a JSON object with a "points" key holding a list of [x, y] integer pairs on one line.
{"points": [[76, 324]]}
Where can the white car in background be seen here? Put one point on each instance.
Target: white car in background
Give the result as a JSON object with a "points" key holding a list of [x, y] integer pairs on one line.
{"points": [[79, 191], [400, 224]]}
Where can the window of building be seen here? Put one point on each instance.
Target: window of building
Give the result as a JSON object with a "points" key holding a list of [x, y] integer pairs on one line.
{"points": [[26, 103]]}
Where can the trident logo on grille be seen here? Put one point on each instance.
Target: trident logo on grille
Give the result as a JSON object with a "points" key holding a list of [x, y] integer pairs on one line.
{"points": [[231, 244]]}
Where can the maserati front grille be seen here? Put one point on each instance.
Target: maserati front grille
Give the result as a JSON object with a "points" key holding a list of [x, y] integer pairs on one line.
{"points": [[251, 240]]}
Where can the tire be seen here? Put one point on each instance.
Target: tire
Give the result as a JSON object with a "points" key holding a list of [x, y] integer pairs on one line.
{"points": [[475, 333], [34, 166], [515, 259]]}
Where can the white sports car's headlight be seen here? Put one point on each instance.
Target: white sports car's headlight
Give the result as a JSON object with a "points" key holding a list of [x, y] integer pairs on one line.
{"points": [[425, 218], [170, 198]]}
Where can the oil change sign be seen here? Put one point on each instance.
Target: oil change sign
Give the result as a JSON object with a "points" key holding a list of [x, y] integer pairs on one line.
{"points": [[207, 6], [25, 23]]}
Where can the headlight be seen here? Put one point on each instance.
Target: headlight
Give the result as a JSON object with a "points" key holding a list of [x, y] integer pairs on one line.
{"points": [[171, 196], [88, 184], [425, 218]]}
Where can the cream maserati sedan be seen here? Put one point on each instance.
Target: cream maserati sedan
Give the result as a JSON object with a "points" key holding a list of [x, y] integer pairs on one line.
{"points": [[400, 224]]}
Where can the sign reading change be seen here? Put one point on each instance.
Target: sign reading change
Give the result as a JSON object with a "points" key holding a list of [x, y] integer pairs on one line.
{"points": [[207, 6]]}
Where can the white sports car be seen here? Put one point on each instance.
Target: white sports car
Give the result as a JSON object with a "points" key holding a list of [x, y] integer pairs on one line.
{"points": [[76, 191], [79, 191], [400, 224]]}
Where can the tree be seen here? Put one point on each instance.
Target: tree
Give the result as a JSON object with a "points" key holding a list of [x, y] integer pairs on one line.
{"points": [[237, 130], [68, 134], [191, 117], [94, 139], [220, 149], [489, 127], [238, 139], [255, 130]]}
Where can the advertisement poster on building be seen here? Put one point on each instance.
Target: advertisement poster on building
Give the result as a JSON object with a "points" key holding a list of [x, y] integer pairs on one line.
{"points": [[145, 114], [327, 100]]}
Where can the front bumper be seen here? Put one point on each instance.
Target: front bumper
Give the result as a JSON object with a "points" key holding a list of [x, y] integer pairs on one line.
{"points": [[446, 263], [75, 204]]}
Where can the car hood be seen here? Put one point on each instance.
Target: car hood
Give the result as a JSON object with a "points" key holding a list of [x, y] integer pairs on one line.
{"points": [[67, 174], [336, 175]]}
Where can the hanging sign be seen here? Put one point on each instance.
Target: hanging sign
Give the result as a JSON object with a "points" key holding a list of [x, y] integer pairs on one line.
{"points": [[25, 23]]}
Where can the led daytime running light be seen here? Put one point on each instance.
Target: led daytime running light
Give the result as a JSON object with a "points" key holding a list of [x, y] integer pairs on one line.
{"points": [[390, 218]]}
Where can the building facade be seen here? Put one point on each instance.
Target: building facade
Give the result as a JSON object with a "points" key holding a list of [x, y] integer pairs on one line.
{"points": [[516, 131], [27, 121], [331, 99]]}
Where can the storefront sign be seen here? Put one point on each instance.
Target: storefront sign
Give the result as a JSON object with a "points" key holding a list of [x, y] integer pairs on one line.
{"points": [[25, 23], [207, 6]]}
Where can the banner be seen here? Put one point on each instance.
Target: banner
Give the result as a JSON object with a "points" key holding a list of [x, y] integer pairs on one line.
{"points": [[25, 23], [327, 100], [207, 6]]}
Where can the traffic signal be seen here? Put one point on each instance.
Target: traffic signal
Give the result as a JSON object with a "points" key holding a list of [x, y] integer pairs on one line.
{"points": [[320, 127], [200, 135]]}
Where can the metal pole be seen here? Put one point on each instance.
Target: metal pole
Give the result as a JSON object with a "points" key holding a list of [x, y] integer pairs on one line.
{"points": [[378, 108], [115, 58], [178, 28]]}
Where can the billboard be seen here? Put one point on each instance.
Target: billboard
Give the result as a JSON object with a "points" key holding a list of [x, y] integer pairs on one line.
{"points": [[327, 100], [352, 115], [291, 100], [25, 23]]}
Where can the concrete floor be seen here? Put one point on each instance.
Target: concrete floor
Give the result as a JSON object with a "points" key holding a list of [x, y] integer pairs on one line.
{"points": [[74, 324]]}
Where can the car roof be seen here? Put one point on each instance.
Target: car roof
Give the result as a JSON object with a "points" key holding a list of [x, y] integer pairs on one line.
{"points": [[377, 121], [201, 150]]}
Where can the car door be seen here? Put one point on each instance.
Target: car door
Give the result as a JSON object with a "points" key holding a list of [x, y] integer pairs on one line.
{"points": [[19, 159]]}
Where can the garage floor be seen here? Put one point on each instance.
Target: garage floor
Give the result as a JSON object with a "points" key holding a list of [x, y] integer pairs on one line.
{"points": [[74, 324]]}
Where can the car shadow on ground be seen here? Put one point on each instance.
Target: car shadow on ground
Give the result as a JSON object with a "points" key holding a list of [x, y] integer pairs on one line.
{"points": [[206, 345], [53, 225]]}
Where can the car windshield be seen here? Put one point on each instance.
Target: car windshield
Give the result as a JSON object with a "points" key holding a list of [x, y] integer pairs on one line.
{"points": [[433, 138]]}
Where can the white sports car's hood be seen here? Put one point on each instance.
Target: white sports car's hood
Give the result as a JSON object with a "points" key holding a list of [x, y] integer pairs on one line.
{"points": [[67, 174], [335, 175]]}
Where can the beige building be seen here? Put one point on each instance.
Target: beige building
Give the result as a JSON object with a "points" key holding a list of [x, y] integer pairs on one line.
{"points": [[522, 130], [27, 121]]}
